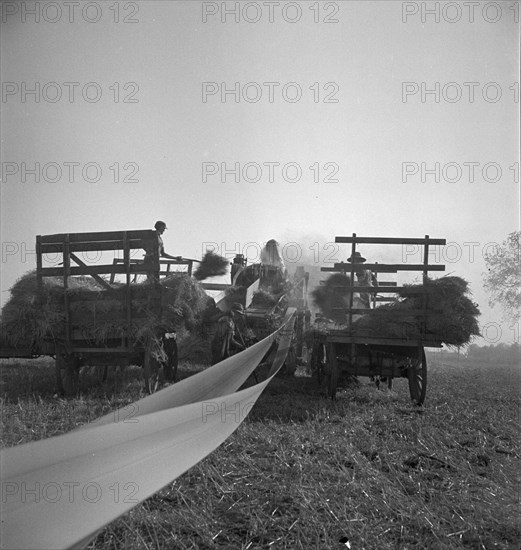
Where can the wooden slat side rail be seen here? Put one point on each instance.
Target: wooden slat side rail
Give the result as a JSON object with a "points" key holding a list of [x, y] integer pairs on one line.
{"points": [[383, 283], [102, 350], [397, 313], [346, 268], [389, 240], [95, 269], [145, 234], [386, 268], [98, 279], [401, 342], [382, 289], [138, 292], [94, 246]]}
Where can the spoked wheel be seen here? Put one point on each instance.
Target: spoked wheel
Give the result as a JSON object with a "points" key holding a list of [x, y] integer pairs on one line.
{"points": [[417, 376], [318, 362], [150, 369]]}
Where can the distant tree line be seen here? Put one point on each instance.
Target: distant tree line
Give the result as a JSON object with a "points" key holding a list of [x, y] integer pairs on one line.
{"points": [[504, 354], [499, 353]]}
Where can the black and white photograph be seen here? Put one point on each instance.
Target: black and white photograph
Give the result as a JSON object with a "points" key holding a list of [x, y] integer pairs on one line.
{"points": [[260, 275]]}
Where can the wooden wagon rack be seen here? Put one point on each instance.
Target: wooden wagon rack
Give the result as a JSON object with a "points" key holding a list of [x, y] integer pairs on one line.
{"points": [[73, 346], [355, 352]]}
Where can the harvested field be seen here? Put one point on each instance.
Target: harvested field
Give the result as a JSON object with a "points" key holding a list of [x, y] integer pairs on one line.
{"points": [[303, 472]]}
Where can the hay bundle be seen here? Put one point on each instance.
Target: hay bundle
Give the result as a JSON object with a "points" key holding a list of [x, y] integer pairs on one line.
{"points": [[263, 298], [451, 314], [97, 315], [235, 294], [184, 302], [333, 294], [211, 265], [28, 318]]}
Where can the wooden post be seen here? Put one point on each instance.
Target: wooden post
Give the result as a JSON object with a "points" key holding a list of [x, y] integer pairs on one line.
{"points": [[128, 297], [376, 281], [39, 265], [425, 293], [351, 297], [66, 273]]}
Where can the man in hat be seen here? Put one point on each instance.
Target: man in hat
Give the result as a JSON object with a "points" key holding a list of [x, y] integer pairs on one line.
{"points": [[149, 253], [225, 341], [160, 227], [363, 277]]}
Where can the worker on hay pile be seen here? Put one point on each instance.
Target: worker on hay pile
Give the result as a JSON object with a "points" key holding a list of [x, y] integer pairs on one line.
{"points": [[364, 277], [149, 254], [225, 342]]}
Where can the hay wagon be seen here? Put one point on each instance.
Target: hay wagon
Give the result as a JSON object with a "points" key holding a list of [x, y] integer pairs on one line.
{"points": [[103, 321], [349, 351]]}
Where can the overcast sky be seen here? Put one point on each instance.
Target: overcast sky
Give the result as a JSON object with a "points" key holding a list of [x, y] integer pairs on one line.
{"points": [[338, 113]]}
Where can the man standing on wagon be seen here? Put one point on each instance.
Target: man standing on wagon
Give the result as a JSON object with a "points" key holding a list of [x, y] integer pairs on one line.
{"points": [[363, 277], [160, 229], [149, 253]]}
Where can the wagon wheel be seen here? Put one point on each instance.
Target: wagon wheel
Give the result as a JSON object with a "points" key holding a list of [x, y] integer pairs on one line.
{"points": [[417, 376], [170, 366], [318, 362], [150, 369]]}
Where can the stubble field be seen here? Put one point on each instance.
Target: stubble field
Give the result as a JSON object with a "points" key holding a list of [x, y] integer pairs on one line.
{"points": [[303, 472]]}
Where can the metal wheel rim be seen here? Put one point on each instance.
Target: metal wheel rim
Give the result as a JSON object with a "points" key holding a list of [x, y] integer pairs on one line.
{"points": [[417, 376]]}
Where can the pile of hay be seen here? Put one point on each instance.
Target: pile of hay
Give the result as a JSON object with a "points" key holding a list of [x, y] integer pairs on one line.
{"points": [[97, 315], [333, 294], [235, 294], [263, 298], [451, 314], [211, 265]]}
